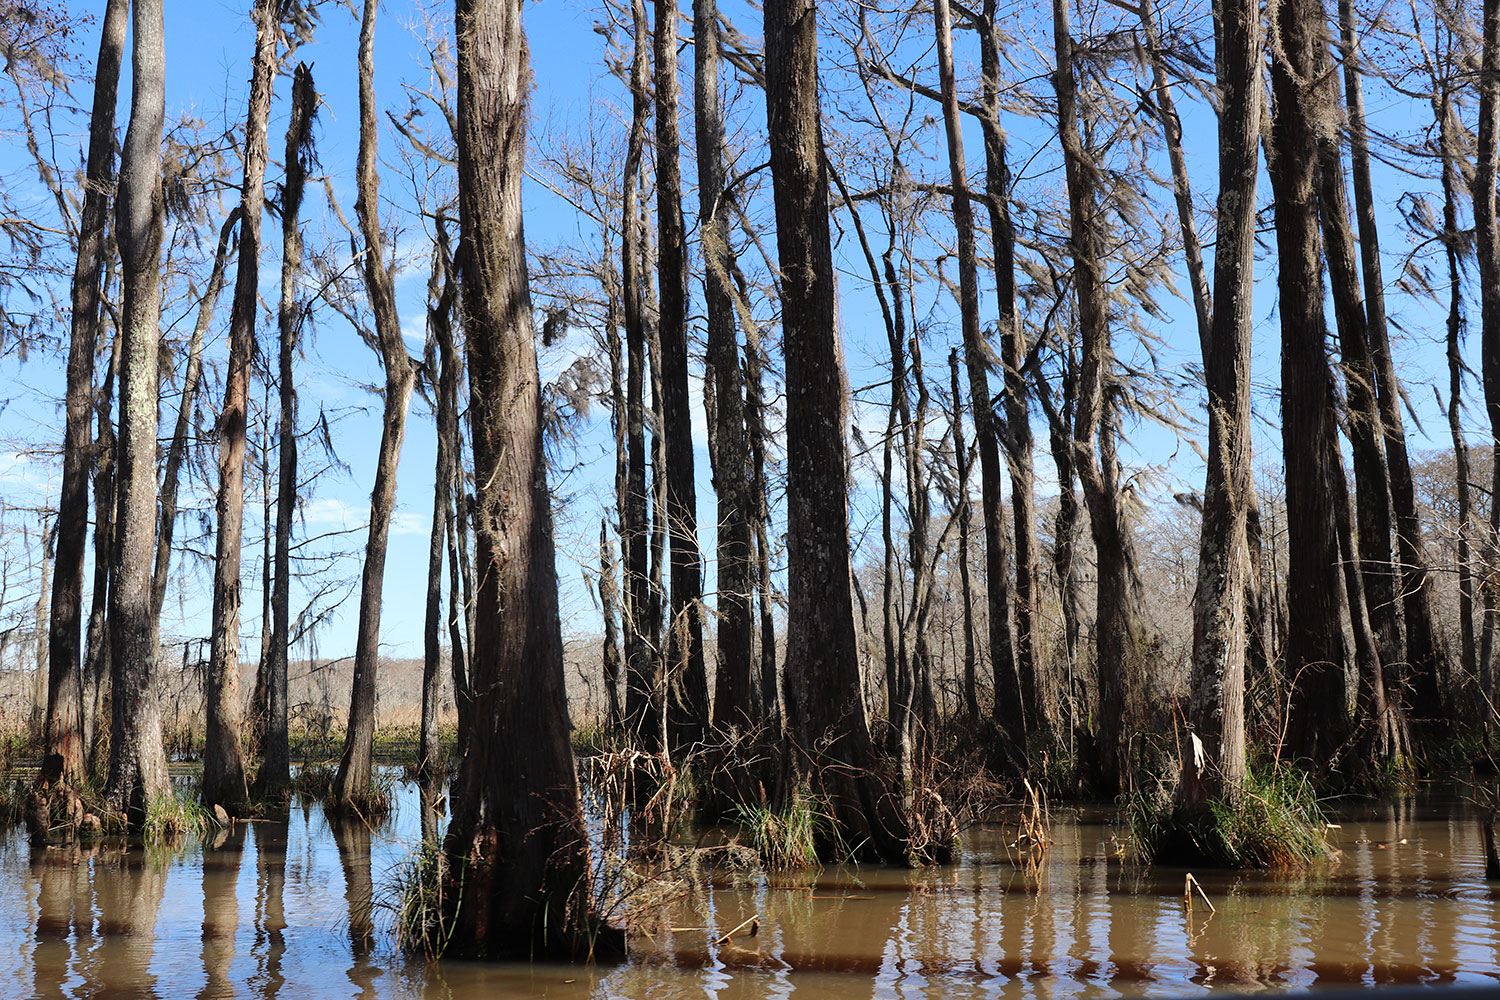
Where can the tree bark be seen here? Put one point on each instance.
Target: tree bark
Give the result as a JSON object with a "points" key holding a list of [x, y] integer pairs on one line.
{"points": [[177, 451], [1453, 249], [275, 770], [1220, 626], [66, 749], [223, 766], [1013, 710], [1371, 481], [517, 847], [687, 679], [96, 669], [356, 768], [965, 518], [442, 294], [643, 703], [1487, 250], [1427, 656], [1318, 725], [138, 765], [825, 710], [1117, 651], [1033, 664], [755, 439], [455, 516], [734, 681]]}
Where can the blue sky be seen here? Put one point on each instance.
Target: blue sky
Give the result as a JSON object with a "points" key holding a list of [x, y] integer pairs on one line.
{"points": [[208, 50]]}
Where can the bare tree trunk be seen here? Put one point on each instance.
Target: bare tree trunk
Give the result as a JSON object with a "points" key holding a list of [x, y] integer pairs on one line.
{"points": [[687, 679], [1116, 647], [39, 633], [1364, 426], [1065, 523], [614, 342], [223, 767], [734, 682], [1380, 723], [96, 668], [644, 710], [1318, 727], [1220, 627], [1427, 654], [1011, 704], [657, 597], [961, 458], [1038, 687], [517, 848], [1461, 473], [825, 710], [356, 767], [137, 764], [275, 770], [755, 438], [459, 614], [65, 744], [442, 294], [177, 451], [1487, 250], [609, 601]]}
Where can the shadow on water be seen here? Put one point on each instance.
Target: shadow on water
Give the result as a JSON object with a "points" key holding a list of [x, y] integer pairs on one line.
{"points": [[292, 907]]}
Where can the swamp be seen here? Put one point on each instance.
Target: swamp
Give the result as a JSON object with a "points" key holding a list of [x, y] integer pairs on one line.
{"points": [[665, 498]]}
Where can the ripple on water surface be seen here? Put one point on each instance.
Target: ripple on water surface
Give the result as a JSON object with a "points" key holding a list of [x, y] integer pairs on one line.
{"points": [[291, 907]]}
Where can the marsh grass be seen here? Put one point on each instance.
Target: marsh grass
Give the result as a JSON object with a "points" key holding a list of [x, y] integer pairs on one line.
{"points": [[786, 838], [174, 815], [1277, 822], [424, 904]]}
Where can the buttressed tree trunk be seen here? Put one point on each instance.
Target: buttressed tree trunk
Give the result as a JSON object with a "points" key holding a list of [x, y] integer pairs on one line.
{"points": [[517, 847], [1314, 659], [1220, 635], [137, 763], [687, 699], [223, 766], [275, 770], [824, 706], [65, 749], [352, 786], [1011, 703]]}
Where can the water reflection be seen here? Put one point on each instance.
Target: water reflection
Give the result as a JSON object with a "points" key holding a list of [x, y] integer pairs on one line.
{"points": [[289, 907], [221, 909], [270, 914]]}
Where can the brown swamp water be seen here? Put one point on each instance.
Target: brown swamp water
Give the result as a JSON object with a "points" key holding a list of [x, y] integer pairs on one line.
{"points": [[284, 909]]}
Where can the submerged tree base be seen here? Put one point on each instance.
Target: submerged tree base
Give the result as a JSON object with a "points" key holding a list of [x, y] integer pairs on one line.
{"points": [[1275, 823]]}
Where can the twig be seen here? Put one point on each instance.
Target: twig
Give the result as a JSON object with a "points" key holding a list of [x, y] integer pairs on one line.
{"points": [[1188, 885], [753, 922]]}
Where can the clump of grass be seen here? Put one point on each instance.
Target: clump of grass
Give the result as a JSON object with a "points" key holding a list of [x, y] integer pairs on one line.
{"points": [[315, 781], [786, 838], [1275, 823], [172, 816], [424, 901]]}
